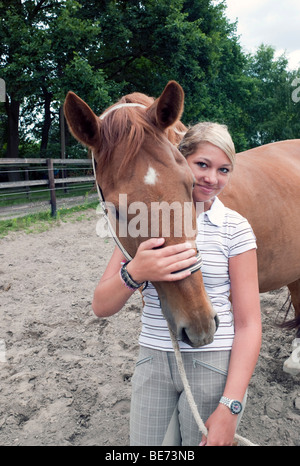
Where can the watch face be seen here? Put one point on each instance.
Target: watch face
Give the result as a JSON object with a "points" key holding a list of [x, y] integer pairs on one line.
{"points": [[236, 407]]}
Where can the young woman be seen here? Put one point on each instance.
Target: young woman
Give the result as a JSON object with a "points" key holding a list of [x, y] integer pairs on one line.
{"points": [[218, 373]]}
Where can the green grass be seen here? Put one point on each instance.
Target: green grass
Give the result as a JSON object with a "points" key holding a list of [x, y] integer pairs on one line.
{"points": [[42, 221], [10, 197]]}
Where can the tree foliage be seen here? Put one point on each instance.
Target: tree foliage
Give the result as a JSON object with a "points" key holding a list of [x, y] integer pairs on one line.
{"points": [[104, 49]]}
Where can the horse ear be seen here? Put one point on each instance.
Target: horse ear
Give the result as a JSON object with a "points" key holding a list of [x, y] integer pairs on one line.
{"points": [[168, 108], [82, 121]]}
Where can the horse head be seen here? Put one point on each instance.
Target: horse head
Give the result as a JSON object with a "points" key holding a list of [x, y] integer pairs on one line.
{"points": [[136, 156]]}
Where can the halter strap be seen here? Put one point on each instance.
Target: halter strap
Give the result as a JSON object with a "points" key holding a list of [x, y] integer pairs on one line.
{"points": [[120, 106], [193, 268], [105, 211]]}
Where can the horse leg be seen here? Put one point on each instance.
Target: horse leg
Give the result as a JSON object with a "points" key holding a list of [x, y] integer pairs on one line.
{"points": [[292, 364], [295, 297]]}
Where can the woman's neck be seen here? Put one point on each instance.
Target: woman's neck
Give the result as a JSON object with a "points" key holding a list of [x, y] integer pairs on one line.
{"points": [[208, 204]]}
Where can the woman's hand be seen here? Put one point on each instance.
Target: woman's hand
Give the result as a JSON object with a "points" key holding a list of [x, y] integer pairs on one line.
{"points": [[150, 264], [221, 426]]}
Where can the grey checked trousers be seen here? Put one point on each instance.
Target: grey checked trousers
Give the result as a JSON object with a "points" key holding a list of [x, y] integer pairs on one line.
{"points": [[158, 395]]}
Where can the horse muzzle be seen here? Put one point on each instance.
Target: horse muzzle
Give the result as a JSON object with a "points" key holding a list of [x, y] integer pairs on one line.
{"points": [[193, 326], [188, 335]]}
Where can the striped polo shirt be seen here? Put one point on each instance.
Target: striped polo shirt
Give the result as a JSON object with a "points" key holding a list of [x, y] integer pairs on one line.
{"points": [[222, 233]]}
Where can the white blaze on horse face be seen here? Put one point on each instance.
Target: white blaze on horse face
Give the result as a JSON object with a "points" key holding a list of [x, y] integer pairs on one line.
{"points": [[151, 176]]}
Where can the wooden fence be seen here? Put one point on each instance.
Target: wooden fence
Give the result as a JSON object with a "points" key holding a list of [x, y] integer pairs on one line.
{"points": [[50, 181]]}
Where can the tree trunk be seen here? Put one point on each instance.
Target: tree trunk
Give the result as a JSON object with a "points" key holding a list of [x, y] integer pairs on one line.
{"points": [[47, 122]]}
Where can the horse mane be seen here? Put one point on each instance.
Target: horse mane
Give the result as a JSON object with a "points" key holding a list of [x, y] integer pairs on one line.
{"points": [[128, 126]]}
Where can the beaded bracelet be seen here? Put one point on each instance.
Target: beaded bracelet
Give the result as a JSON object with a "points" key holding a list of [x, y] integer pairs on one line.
{"points": [[128, 281]]}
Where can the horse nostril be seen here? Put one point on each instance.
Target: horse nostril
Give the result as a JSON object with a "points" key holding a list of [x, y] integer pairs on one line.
{"points": [[184, 337], [217, 320]]}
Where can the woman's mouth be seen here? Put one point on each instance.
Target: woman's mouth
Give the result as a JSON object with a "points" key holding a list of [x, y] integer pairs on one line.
{"points": [[206, 189]]}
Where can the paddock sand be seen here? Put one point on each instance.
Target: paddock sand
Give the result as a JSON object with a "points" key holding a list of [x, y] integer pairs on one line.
{"points": [[65, 375]]}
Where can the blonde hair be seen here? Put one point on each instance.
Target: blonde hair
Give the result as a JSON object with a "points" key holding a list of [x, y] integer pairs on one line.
{"points": [[206, 131]]}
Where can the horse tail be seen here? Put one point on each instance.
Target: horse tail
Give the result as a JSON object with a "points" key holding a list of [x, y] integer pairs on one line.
{"points": [[292, 323]]}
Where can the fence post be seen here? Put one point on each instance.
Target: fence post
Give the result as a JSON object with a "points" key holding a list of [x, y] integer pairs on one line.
{"points": [[63, 143], [51, 187]]}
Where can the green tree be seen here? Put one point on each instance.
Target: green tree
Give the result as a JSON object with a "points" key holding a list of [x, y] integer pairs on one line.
{"points": [[190, 41], [104, 49], [270, 107], [41, 40]]}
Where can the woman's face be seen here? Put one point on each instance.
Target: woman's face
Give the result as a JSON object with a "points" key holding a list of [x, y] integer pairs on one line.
{"points": [[211, 168]]}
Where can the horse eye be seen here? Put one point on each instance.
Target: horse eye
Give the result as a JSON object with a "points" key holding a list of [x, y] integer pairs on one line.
{"points": [[113, 212]]}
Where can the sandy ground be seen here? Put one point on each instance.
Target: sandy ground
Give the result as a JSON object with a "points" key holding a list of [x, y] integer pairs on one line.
{"points": [[65, 375]]}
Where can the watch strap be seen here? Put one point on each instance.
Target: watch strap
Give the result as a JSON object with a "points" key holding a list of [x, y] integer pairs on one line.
{"points": [[234, 405], [225, 401]]}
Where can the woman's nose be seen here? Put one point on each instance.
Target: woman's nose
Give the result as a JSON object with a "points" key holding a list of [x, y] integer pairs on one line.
{"points": [[211, 177]]}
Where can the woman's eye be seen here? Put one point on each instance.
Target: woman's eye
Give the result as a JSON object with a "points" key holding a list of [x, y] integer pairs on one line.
{"points": [[224, 170], [201, 164]]}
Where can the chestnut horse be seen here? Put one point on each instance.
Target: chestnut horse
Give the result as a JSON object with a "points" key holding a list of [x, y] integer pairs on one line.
{"points": [[134, 152]]}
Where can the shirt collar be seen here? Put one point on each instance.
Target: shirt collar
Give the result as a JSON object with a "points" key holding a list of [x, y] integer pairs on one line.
{"points": [[216, 213]]}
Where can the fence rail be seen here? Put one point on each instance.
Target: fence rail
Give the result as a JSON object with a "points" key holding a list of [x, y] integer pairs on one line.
{"points": [[29, 161], [24, 184], [50, 180]]}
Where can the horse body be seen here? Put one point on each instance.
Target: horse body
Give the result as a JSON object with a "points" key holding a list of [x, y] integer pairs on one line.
{"points": [[265, 189]]}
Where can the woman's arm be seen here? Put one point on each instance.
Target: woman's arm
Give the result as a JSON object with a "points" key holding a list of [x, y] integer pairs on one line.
{"points": [[149, 264], [246, 345], [110, 294]]}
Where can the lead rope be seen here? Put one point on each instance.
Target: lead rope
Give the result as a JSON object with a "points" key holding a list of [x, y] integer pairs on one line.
{"points": [[189, 395]]}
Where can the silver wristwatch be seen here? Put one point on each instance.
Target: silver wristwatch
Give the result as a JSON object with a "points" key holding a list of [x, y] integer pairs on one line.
{"points": [[234, 405]]}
